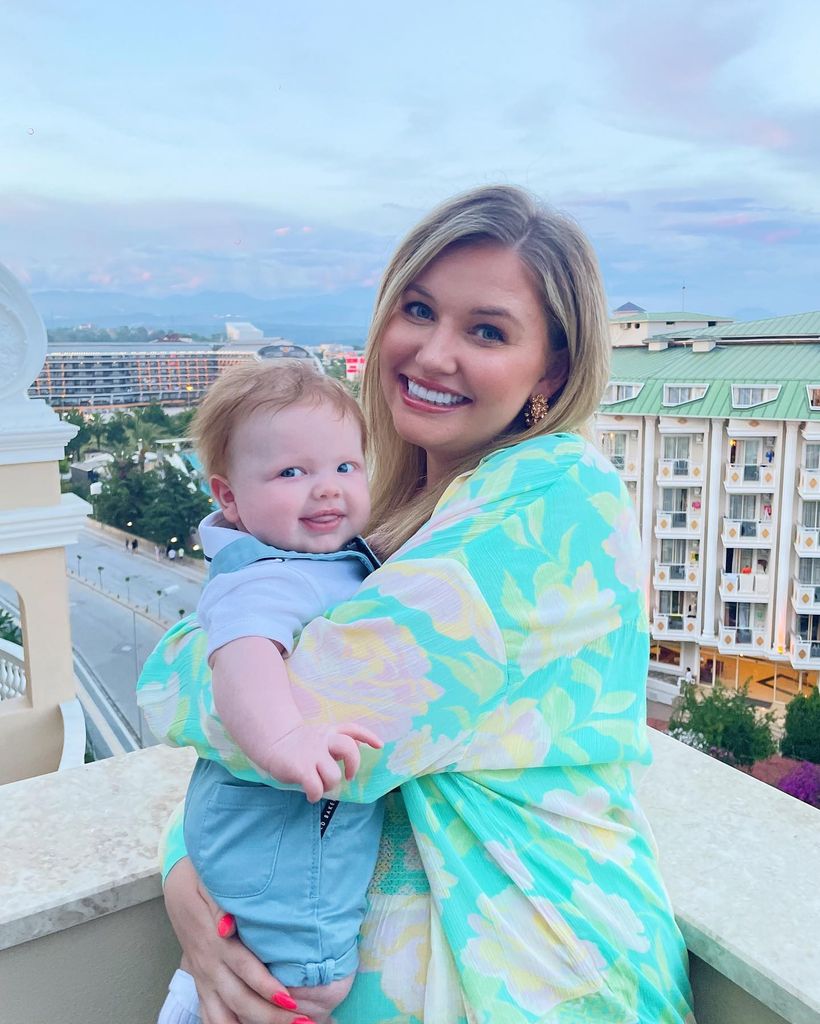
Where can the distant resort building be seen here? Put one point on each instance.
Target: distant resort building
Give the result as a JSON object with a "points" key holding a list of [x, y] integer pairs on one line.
{"points": [[716, 434], [631, 325], [115, 376]]}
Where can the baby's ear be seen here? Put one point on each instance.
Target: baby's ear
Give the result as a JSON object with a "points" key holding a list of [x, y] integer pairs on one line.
{"points": [[224, 497]]}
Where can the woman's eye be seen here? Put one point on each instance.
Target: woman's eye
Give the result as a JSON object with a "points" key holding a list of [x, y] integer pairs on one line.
{"points": [[420, 310], [346, 467], [292, 471], [489, 333]]}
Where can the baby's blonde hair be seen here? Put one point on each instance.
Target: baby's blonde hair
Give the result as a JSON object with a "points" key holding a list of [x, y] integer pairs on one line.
{"points": [[243, 389], [565, 272]]}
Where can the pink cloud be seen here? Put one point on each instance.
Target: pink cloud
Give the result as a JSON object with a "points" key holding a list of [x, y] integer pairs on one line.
{"points": [[780, 235], [281, 231]]}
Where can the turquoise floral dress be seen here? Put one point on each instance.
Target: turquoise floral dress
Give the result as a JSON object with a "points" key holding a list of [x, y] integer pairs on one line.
{"points": [[501, 654]]}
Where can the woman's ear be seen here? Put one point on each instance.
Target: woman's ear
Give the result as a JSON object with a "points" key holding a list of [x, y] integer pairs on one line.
{"points": [[224, 497], [557, 373]]}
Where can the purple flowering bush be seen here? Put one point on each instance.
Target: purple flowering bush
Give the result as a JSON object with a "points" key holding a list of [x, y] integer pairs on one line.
{"points": [[803, 782]]}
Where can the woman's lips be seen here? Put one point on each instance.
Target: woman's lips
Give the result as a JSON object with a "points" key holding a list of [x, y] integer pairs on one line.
{"points": [[422, 404]]}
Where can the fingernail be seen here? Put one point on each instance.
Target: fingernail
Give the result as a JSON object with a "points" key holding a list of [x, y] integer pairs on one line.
{"points": [[285, 1001], [225, 926], [302, 1020]]}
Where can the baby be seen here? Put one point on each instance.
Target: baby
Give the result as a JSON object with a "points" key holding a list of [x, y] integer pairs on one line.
{"points": [[283, 449]]}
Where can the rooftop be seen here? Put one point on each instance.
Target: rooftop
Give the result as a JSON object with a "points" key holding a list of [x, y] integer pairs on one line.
{"points": [[790, 366], [794, 326]]}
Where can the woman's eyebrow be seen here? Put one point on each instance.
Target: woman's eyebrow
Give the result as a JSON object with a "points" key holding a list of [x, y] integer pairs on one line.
{"points": [[495, 311], [413, 287]]}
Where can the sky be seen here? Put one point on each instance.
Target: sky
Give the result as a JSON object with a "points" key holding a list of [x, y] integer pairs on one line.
{"points": [[282, 149]]}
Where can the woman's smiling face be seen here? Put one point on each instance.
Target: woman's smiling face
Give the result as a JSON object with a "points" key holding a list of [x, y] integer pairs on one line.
{"points": [[466, 347]]}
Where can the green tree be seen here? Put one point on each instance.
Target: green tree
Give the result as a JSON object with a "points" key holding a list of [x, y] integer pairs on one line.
{"points": [[155, 414], [81, 438], [96, 427], [118, 430], [125, 496], [9, 630], [801, 735], [176, 507], [724, 724]]}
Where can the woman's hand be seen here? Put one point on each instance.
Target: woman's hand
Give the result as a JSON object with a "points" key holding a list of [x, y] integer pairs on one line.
{"points": [[234, 987]]}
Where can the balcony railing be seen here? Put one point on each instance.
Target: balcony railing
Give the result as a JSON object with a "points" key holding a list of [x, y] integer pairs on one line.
{"points": [[806, 597], [741, 638], [744, 586], [626, 464], [808, 483], [678, 524], [807, 541], [740, 533], [804, 653], [675, 472], [740, 478], [676, 627], [12, 670], [676, 576]]}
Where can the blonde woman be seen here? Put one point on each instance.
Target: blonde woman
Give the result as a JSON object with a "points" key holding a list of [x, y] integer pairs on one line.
{"points": [[500, 652]]}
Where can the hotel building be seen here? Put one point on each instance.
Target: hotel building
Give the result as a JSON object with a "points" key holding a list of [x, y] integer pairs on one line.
{"points": [[716, 434], [178, 373]]}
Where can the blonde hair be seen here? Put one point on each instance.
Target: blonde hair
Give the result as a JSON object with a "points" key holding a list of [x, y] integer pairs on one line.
{"points": [[243, 389], [566, 275]]}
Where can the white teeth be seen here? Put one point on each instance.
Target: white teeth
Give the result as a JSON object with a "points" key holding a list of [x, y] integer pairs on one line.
{"points": [[434, 397]]}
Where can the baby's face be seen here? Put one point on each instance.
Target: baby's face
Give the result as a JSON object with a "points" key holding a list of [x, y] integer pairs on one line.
{"points": [[298, 478]]}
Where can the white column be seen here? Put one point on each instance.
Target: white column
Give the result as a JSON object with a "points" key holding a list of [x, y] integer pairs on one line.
{"points": [[785, 532], [713, 495], [648, 505]]}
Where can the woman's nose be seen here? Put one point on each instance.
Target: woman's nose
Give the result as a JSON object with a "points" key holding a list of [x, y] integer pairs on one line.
{"points": [[437, 353]]}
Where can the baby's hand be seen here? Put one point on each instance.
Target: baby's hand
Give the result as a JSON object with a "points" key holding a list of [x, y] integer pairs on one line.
{"points": [[307, 756]]}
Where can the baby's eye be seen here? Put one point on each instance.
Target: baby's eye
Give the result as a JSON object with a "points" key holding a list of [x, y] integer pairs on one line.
{"points": [[346, 467], [489, 333], [292, 471], [419, 310]]}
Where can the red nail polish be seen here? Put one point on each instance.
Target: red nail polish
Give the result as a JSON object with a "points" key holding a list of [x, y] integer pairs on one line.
{"points": [[284, 1000], [302, 1020], [225, 926]]}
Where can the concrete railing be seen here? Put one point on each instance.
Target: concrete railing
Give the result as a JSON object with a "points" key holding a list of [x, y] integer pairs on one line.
{"points": [[84, 936], [12, 670]]}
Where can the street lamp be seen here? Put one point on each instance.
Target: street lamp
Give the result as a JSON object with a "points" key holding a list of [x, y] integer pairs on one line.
{"points": [[128, 589], [100, 571], [79, 559]]}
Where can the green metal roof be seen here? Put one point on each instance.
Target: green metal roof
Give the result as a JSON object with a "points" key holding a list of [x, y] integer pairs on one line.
{"points": [[681, 316], [796, 325], [791, 367]]}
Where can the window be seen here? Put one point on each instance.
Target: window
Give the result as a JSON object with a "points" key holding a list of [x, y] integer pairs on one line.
{"points": [[620, 392], [814, 396], [743, 507], [809, 570], [812, 456], [679, 394], [676, 447], [811, 515], [744, 396], [613, 445]]}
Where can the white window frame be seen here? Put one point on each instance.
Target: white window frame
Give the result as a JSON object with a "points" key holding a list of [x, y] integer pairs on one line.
{"points": [[766, 389], [638, 385], [693, 397], [814, 406]]}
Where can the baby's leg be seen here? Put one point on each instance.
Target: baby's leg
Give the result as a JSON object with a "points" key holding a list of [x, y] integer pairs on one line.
{"points": [[319, 1001], [181, 1005]]}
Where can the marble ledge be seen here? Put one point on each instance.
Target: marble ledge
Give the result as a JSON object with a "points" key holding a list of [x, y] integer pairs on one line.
{"points": [[83, 842], [740, 860]]}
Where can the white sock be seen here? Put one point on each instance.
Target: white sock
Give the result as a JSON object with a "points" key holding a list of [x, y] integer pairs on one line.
{"points": [[181, 1005]]}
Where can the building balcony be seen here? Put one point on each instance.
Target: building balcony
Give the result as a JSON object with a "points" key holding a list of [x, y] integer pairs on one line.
{"points": [[679, 524], [12, 670], [741, 479], [744, 586], [628, 465], [808, 483], [676, 577], [747, 533], [805, 597], [742, 639], [679, 472], [675, 627], [804, 653], [807, 541], [82, 890]]}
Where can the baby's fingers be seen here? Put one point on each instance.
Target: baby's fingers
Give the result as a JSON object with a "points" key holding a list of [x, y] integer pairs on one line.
{"points": [[345, 749], [313, 784], [361, 734], [328, 769]]}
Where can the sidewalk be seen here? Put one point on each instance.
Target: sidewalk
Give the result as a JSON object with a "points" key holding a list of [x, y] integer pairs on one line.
{"points": [[193, 569]]}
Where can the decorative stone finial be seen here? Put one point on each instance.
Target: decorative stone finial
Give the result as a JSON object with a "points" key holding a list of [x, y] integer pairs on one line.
{"points": [[22, 338]]}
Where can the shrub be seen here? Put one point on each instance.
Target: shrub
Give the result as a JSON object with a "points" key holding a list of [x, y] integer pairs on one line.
{"points": [[724, 724], [801, 730], [9, 630], [803, 782]]}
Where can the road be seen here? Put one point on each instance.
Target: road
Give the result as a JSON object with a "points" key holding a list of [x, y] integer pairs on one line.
{"points": [[116, 626]]}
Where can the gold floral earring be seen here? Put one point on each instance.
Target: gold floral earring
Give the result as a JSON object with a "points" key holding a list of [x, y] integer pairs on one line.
{"points": [[535, 409]]}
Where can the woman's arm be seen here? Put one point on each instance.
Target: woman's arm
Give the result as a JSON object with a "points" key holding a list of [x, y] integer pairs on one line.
{"points": [[416, 656]]}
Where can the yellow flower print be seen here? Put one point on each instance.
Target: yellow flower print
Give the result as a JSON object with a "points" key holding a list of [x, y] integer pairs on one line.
{"points": [[591, 822], [527, 944], [624, 545], [441, 880], [612, 912], [395, 940], [417, 752], [513, 736], [510, 863]]}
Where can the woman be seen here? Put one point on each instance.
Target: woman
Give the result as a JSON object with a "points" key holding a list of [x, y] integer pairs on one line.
{"points": [[500, 652]]}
